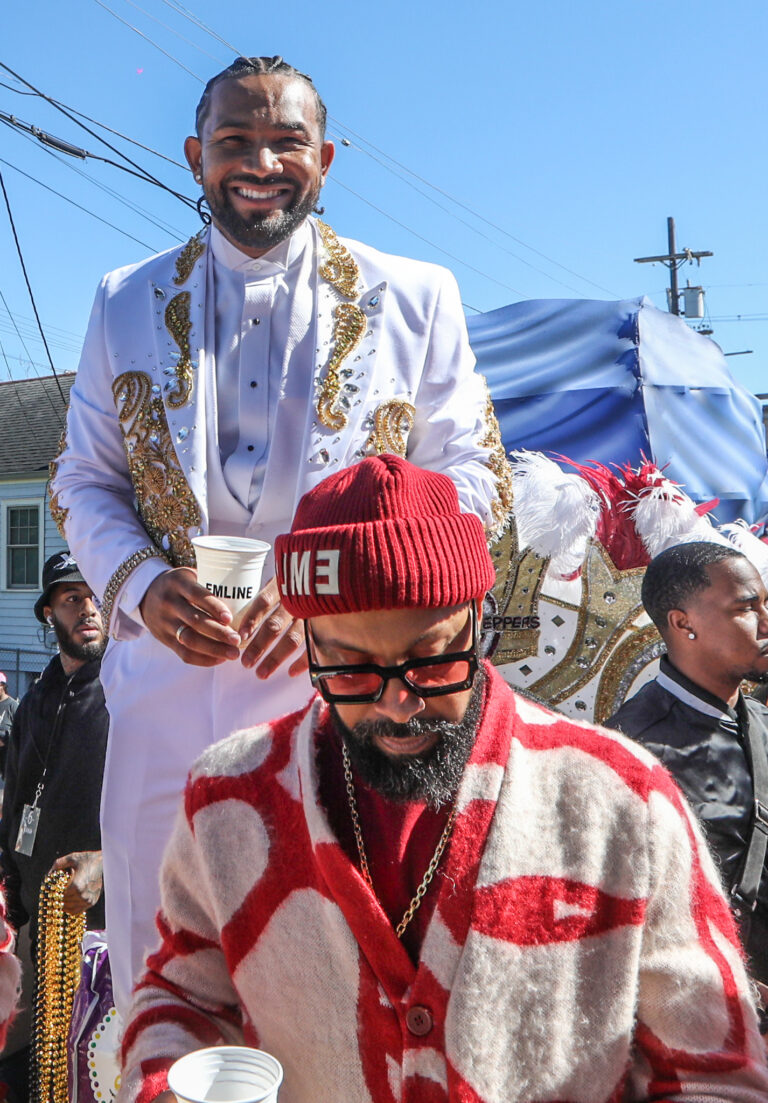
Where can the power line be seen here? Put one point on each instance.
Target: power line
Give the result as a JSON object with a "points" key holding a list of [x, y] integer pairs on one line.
{"points": [[24, 328], [118, 134], [29, 285], [346, 187], [22, 407], [32, 364], [452, 256], [16, 328], [187, 14], [66, 339], [165, 227], [178, 34], [421, 237], [144, 173], [470, 210], [172, 231], [51, 142], [79, 207], [463, 221], [18, 91], [178, 7], [146, 37], [109, 129]]}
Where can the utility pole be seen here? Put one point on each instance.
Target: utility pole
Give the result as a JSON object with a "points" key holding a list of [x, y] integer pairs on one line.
{"points": [[674, 293], [674, 260]]}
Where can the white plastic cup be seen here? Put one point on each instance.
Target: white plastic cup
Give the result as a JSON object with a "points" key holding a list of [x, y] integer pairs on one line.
{"points": [[226, 1074], [231, 568]]}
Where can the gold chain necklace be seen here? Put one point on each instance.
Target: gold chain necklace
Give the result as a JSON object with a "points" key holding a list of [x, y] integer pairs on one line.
{"points": [[58, 975], [426, 880]]}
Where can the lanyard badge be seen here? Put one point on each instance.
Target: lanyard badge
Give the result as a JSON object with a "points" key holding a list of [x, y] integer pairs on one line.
{"points": [[30, 818]]}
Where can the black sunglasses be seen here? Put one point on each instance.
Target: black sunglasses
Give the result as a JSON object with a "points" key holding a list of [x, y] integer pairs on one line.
{"points": [[432, 676]]}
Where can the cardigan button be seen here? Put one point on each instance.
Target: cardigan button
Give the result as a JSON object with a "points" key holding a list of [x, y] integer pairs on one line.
{"points": [[418, 1020]]}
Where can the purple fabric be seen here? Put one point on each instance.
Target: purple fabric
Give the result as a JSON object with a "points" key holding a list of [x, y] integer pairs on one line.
{"points": [[93, 1004]]}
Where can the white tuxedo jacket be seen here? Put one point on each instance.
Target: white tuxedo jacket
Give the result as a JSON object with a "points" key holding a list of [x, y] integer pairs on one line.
{"points": [[414, 353], [140, 431]]}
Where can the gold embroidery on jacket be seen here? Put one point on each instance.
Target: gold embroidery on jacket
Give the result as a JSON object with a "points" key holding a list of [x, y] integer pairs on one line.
{"points": [[341, 268], [342, 272], [58, 513], [347, 333], [178, 322], [167, 506], [123, 572], [499, 464], [188, 258], [392, 422]]}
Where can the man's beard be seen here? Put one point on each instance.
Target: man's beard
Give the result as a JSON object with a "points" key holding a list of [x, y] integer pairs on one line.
{"points": [[433, 777], [83, 652], [259, 231]]}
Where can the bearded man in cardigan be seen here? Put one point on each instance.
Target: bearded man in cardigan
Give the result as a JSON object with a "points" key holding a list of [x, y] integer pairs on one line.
{"points": [[423, 887]]}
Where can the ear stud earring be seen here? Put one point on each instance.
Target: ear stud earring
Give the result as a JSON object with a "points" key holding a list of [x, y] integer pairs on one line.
{"points": [[691, 635]]}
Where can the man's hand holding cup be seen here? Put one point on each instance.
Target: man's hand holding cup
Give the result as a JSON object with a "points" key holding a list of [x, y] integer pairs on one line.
{"points": [[186, 617]]}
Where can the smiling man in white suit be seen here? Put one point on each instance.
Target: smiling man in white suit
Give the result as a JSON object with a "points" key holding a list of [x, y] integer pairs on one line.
{"points": [[218, 383]]}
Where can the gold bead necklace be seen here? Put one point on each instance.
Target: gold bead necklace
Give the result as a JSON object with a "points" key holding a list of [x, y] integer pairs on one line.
{"points": [[426, 880], [57, 978]]}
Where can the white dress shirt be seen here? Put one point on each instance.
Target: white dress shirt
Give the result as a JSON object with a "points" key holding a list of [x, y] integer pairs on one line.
{"points": [[253, 319]]}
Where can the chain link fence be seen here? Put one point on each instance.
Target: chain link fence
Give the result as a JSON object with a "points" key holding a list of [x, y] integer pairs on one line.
{"points": [[21, 666]]}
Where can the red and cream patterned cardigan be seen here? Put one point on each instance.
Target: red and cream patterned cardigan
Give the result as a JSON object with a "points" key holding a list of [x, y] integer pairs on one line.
{"points": [[10, 974], [580, 948]]}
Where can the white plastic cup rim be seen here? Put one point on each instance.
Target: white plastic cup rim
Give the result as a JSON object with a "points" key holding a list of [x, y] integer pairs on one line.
{"points": [[245, 1076], [231, 544], [219, 557]]}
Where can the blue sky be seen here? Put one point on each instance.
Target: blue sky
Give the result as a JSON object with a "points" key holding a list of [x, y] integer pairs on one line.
{"points": [[569, 132]]}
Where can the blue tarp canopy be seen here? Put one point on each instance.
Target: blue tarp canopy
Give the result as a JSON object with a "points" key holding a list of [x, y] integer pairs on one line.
{"points": [[613, 381]]}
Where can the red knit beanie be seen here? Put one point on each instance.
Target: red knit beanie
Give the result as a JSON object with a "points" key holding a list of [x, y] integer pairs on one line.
{"points": [[382, 534]]}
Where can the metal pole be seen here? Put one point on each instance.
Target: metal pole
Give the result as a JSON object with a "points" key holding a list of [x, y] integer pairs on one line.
{"points": [[674, 306]]}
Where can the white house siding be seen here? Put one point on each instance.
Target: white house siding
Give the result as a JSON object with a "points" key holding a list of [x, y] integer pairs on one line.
{"points": [[25, 646]]}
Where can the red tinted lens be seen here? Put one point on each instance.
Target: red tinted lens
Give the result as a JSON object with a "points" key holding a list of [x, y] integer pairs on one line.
{"points": [[439, 674], [349, 685]]}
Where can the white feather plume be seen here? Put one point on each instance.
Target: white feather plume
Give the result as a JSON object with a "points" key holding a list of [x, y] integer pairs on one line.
{"points": [[664, 515], [556, 512]]}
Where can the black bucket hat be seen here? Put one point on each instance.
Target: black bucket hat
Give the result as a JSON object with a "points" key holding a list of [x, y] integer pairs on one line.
{"points": [[61, 567]]}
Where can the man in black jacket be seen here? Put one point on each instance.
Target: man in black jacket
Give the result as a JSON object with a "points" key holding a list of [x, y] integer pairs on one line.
{"points": [[709, 604], [56, 759]]}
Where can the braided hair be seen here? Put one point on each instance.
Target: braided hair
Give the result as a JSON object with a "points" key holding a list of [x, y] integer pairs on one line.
{"points": [[253, 67], [677, 574]]}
